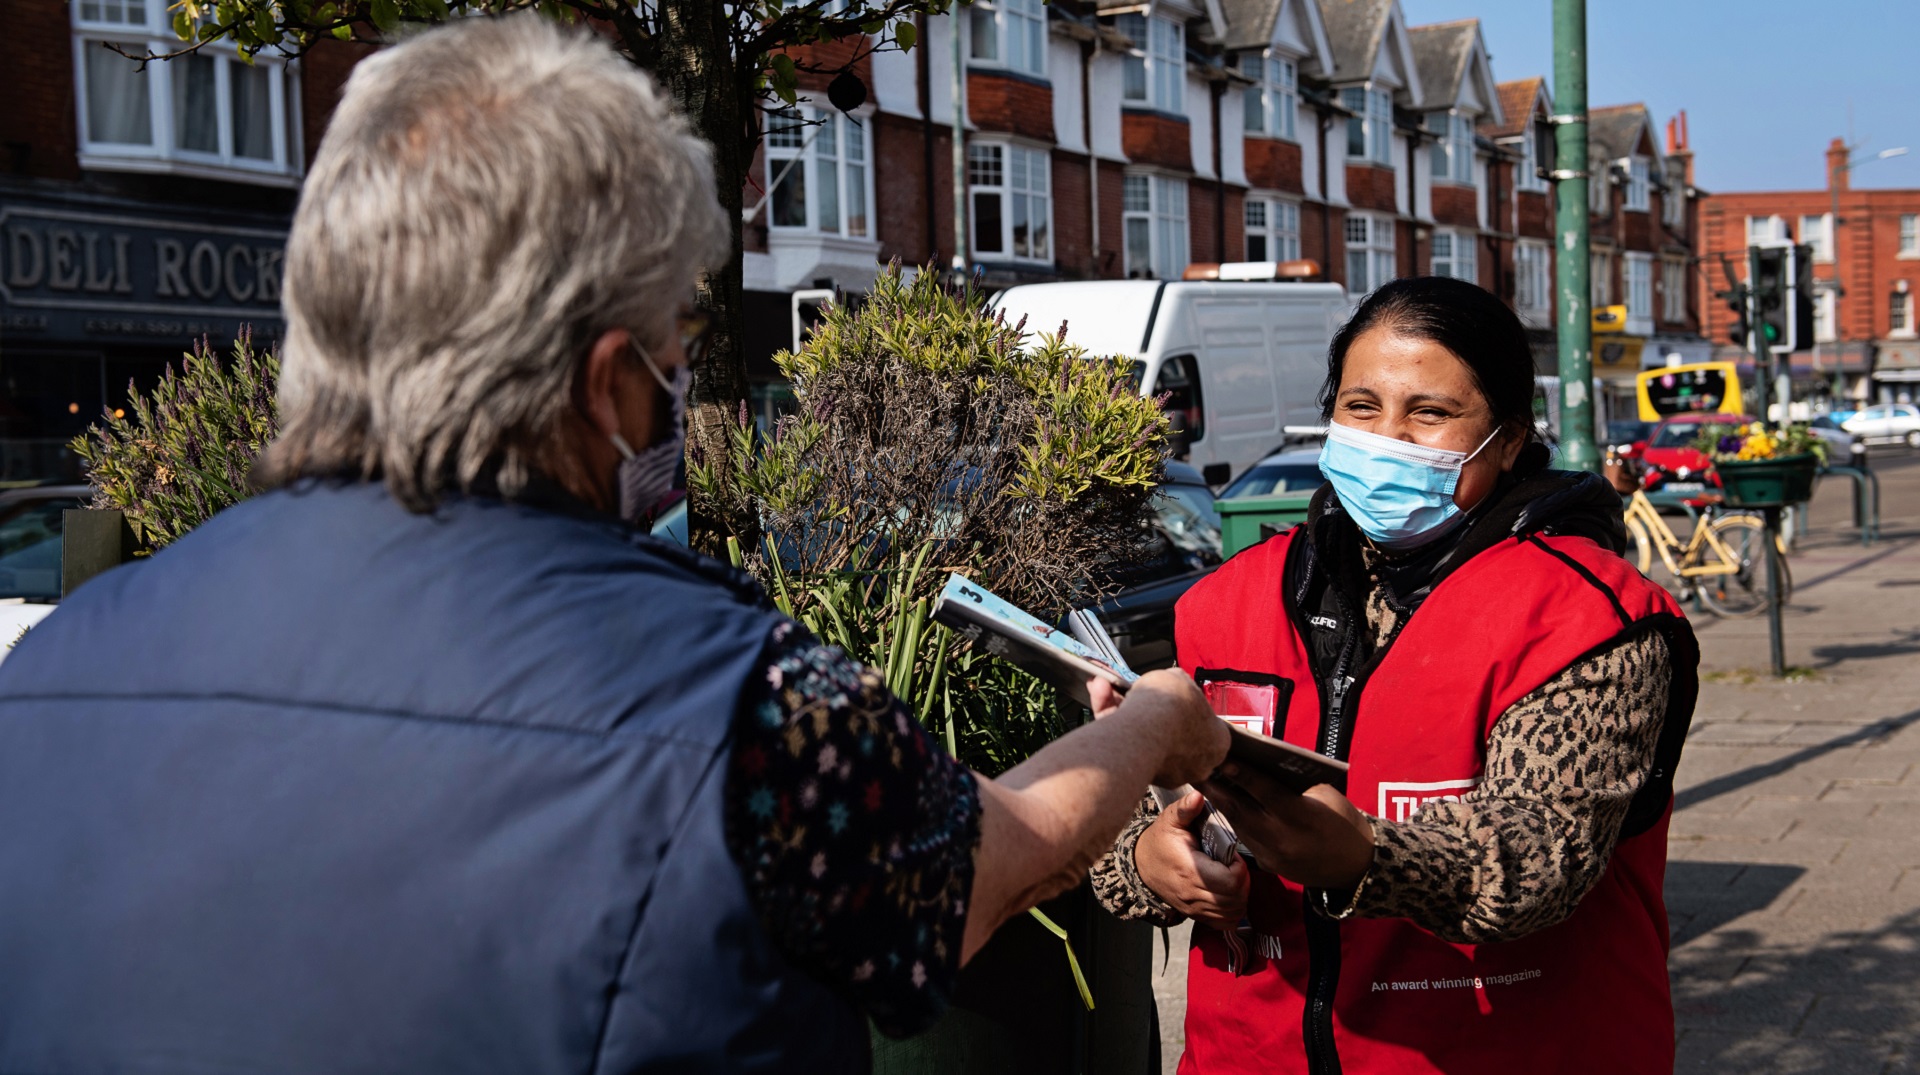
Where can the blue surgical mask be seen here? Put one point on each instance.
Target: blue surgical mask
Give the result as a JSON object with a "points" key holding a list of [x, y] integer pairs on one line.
{"points": [[1399, 493], [646, 476]]}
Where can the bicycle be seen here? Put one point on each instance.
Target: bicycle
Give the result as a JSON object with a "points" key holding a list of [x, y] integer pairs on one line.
{"points": [[1724, 561]]}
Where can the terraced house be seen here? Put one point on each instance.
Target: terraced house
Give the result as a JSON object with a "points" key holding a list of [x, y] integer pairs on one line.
{"points": [[1122, 139]]}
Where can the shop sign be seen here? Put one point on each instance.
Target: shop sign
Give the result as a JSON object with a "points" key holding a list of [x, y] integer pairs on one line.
{"points": [[73, 275]]}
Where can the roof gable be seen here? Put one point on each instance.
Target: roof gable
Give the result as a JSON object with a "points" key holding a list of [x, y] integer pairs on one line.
{"points": [[1618, 131], [1354, 28], [1293, 26], [1520, 101], [1454, 72]]}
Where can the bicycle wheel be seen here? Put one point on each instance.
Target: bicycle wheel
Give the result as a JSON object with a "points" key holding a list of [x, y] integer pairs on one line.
{"points": [[1744, 591], [1642, 544]]}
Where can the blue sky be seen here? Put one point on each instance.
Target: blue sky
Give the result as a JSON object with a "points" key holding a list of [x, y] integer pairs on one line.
{"points": [[1765, 84]]}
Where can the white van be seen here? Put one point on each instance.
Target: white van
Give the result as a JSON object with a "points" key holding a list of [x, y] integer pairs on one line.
{"points": [[1240, 362]]}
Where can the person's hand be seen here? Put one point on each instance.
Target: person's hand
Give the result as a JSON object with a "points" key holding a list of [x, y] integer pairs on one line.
{"points": [[1319, 839], [1171, 863], [1196, 739], [1103, 695]]}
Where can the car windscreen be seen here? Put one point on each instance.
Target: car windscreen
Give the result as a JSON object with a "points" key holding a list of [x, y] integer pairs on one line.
{"points": [[1676, 436], [1271, 478], [1187, 515], [30, 549]]}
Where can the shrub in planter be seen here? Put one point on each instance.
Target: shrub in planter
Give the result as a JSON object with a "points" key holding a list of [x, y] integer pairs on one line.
{"points": [[931, 437], [184, 452]]}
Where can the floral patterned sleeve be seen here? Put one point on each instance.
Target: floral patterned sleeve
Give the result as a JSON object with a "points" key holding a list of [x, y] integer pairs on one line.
{"points": [[854, 830]]}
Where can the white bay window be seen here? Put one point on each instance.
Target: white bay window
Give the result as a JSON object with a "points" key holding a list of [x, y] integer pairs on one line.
{"points": [[1370, 128], [1453, 149], [1011, 199], [1273, 101], [1273, 229], [1369, 252], [1154, 211], [817, 173], [1010, 34], [1154, 72], [1639, 287], [206, 112], [1453, 255], [1532, 280]]}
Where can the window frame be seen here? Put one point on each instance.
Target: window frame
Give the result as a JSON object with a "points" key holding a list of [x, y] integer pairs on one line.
{"points": [[1527, 172], [773, 154], [1909, 235], [1673, 288], [1378, 256], [1025, 18], [1822, 250], [1824, 311], [1776, 230], [1452, 150], [1600, 278], [162, 153], [1673, 202], [1639, 197], [1638, 281], [1541, 252], [1168, 238], [1162, 62], [1008, 192], [1279, 242], [1901, 303], [1462, 253], [1277, 88], [1375, 119]]}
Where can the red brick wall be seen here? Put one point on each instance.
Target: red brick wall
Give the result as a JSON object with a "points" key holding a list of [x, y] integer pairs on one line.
{"points": [[323, 75], [899, 186], [1274, 164], [1370, 186], [1536, 214], [1410, 257], [1155, 138], [831, 56], [997, 102], [1072, 220], [1455, 205], [1636, 231], [39, 130]]}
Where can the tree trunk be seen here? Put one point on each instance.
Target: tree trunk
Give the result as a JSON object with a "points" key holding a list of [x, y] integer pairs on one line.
{"points": [[697, 65]]}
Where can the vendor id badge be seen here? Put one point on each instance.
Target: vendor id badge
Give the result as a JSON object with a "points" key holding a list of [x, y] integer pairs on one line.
{"points": [[1253, 700]]}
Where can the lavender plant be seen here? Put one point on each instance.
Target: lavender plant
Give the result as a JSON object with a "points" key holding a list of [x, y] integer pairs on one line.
{"points": [[932, 437], [183, 452]]}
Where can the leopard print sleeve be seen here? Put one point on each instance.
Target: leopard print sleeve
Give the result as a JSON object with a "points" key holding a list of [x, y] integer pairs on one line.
{"points": [[1116, 880], [1518, 852]]}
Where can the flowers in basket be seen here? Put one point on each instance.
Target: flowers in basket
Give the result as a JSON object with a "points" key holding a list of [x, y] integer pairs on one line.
{"points": [[1754, 442]]}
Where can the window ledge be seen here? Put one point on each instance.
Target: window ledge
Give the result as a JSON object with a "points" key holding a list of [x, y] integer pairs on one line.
{"points": [[981, 67], [1907, 335], [1908, 255], [1271, 137], [802, 237], [1134, 108], [151, 165]]}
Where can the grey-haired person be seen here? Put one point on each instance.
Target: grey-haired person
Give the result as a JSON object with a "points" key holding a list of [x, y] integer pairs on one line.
{"points": [[425, 759]]}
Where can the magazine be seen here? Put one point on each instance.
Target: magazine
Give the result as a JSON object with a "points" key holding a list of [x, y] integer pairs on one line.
{"points": [[1003, 630]]}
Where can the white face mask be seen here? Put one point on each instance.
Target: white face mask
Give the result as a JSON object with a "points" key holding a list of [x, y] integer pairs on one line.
{"points": [[646, 477]]}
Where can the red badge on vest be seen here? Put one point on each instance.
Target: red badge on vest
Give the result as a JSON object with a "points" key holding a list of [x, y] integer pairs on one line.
{"points": [[1253, 700]]}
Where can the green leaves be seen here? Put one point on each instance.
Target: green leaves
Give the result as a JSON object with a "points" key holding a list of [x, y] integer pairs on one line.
{"points": [[186, 450], [905, 34], [783, 77]]}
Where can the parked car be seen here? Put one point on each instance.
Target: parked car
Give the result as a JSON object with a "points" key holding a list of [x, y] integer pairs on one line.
{"points": [[1671, 461], [1181, 549], [1296, 470], [1239, 362], [1627, 438], [1888, 423], [30, 526], [1843, 448]]}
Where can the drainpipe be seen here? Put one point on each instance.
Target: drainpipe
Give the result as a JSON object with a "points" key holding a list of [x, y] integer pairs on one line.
{"points": [[1088, 50], [1413, 202], [1326, 197], [925, 64], [1219, 180], [959, 152]]}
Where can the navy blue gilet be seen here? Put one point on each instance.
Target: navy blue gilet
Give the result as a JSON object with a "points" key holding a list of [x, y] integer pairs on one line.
{"points": [[330, 787]]}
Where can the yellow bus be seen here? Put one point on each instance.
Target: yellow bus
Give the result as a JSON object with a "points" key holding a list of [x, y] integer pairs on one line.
{"points": [[1699, 388]]}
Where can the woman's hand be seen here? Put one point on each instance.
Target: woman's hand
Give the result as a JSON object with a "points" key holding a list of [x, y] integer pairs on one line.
{"points": [[1171, 863], [1319, 839]]}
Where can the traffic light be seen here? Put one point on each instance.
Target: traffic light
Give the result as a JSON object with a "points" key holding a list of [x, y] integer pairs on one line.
{"points": [[1772, 311], [1737, 330], [1801, 300]]}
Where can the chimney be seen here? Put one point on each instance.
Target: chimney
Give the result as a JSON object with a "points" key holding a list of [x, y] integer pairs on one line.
{"points": [[1677, 147], [1837, 165]]}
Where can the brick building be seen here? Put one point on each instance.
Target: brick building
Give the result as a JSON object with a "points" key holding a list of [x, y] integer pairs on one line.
{"points": [[1864, 317], [138, 208]]}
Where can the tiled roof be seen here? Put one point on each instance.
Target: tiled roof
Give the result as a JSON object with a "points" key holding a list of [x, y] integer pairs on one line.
{"points": [[1516, 105], [1250, 22], [1614, 130], [1441, 53], [1354, 29]]}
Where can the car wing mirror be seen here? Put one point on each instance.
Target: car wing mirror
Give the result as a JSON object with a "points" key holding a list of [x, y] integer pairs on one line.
{"points": [[1216, 474]]}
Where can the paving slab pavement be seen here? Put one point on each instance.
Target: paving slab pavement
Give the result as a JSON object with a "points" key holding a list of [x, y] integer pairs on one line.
{"points": [[1793, 882]]}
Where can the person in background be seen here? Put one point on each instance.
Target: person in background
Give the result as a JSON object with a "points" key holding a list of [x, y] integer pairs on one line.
{"points": [[426, 760], [1455, 622]]}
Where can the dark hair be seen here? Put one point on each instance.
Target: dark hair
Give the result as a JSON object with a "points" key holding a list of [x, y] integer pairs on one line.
{"points": [[1467, 320]]}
